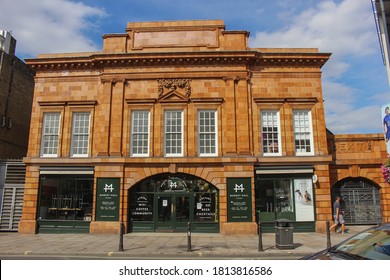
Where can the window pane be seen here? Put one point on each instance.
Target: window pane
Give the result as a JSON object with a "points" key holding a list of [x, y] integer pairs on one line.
{"points": [[207, 133], [173, 133], [141, 206], [50, 133], [65, 198], [302, 132], [80, 136], [270, 132], [140, 133], [206, 207]]}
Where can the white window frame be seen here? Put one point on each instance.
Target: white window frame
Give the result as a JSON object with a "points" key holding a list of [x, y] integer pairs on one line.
{"points": [[206, 130], [50, 132], [85, 133], [138, 130], [304, 131], [179, 133], [275, 120]]}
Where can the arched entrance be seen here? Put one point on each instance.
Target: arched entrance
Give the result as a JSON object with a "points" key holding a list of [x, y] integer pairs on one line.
{"points": [[167, 202], [360, 200]]}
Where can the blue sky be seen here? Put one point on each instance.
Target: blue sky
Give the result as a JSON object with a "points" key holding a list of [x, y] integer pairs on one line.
{"points": [[355, 83]]}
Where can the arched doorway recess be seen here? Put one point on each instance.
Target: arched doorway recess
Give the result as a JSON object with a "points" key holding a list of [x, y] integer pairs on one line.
{"points": [[360, 200], [167, 202]]}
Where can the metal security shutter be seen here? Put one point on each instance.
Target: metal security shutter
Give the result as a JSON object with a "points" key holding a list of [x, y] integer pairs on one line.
{"points": [[13, 193], [362, 205], [360, 201], [12, 206]]}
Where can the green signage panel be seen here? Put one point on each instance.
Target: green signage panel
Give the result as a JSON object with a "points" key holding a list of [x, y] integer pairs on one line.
{"points": [[239, 191], [107, 199]]}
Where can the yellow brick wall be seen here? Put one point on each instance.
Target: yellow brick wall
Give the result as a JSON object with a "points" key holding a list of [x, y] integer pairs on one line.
{"points": [[112, 84], [360, 155], [28, 223]]}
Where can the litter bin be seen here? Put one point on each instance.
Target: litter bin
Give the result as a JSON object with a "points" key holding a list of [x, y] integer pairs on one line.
{"points": [[284, 234]]}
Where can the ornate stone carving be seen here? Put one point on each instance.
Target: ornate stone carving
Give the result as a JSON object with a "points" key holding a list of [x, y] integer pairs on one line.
{"points": [[173, 85]]}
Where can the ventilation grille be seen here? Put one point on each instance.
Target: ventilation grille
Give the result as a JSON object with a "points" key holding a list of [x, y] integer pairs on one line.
{"points": [[15, 173], [11, 209]]}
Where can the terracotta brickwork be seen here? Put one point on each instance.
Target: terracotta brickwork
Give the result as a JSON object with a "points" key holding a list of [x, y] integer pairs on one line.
{"points": [[360, 155], [187, 66]]}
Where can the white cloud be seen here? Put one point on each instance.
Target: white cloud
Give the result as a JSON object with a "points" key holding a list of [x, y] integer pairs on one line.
{"points": [[48, 26], [360, 120], [345, 28], [342, 28], [341, 114]]}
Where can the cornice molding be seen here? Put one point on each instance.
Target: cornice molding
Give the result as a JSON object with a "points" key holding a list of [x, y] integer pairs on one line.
{"points": [[290, 100], [120, 60], [206, 100], [141, 101], [68, 103]]}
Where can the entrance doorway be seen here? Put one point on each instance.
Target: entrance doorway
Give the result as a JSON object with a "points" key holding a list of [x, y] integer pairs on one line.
{"points": [[173, 212], [167, 202], [360, 201]]}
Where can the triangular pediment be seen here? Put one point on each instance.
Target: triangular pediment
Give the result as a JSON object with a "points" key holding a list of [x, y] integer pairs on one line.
{"points": [[173, 96], [174, 90]]}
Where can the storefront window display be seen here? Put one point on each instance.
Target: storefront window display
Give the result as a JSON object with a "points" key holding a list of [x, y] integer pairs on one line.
{"points": [[206, 207], [303, 202], [288, 198], [142, 207], [65, 198]]}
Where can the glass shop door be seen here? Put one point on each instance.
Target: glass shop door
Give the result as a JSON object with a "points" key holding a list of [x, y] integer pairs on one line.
{"points": [[173, 212]]}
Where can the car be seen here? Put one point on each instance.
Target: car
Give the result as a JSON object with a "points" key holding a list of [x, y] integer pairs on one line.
{"points": [[370, 244]]}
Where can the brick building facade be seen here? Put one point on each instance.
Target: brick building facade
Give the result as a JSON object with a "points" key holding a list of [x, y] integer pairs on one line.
{"points": [[177, 122], [16, 95]]}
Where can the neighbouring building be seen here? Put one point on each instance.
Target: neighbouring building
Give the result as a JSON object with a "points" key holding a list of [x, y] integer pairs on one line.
{"points": [[16, 95], [177, 122], [381, 10]]}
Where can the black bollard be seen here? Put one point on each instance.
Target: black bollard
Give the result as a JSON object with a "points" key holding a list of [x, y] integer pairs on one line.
{"points": [[121, 230], [260, 246], [328, 244], [189, 237]]}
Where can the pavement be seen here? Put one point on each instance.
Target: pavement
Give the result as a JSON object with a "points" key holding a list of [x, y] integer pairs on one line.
{"points": [[162, 245]]}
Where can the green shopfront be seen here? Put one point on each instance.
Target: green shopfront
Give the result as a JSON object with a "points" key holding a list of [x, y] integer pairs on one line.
{"points": [[65, 201], [168, 202], [285, 193]]}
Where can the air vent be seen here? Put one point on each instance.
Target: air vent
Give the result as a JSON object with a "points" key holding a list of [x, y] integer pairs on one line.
{"points": [[15, 173]]}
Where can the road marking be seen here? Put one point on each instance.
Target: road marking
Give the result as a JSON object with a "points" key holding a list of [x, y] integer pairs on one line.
{"points": [[27, 252]]}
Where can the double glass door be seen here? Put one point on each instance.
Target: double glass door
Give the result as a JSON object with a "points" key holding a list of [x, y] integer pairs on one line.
{"points": [[174, 211]]}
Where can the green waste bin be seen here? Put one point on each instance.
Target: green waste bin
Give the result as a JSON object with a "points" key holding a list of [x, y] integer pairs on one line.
{"points": [[284, 234]]}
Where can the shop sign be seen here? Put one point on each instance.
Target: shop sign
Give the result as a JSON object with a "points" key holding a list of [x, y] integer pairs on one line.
{"points": [[204, 207], [239, 199], [107, 199], [143, 207], [174, 185]]}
